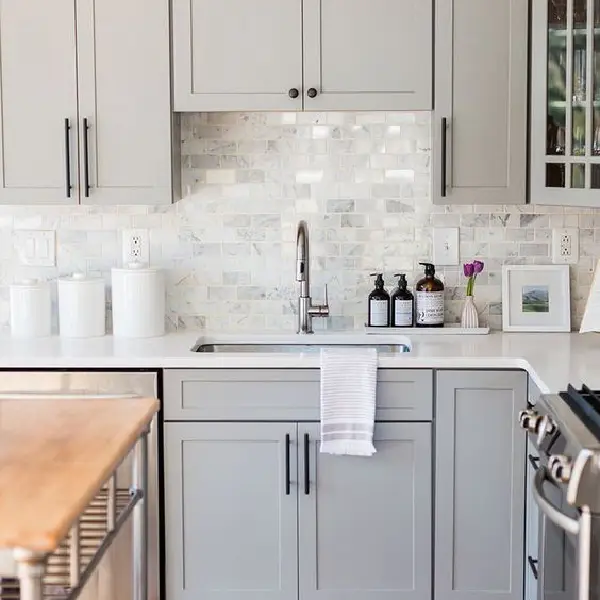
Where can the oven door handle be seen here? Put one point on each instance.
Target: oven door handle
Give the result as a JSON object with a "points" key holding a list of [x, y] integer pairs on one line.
{"points": [[553, 513], [581, 527]]}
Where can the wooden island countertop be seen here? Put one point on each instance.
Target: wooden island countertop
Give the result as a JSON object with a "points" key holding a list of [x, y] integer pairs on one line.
{"points": [[55, 455]]}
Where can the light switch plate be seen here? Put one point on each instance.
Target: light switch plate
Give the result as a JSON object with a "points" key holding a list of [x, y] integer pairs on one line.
{"points": [[36, 248], [445, 246]]}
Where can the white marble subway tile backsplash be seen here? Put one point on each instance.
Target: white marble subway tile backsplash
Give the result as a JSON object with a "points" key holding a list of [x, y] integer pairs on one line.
{"points": [[361, 180]]}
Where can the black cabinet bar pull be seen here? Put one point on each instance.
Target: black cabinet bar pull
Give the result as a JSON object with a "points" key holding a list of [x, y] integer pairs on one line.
{"points": [[533, 565], [67, 159], [444, 158], [535, 461], [306, 464], [86, 166], [287, 464]]}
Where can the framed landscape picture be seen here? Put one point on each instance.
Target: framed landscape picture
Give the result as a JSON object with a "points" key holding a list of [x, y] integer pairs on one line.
{"points": [[536, 298]]}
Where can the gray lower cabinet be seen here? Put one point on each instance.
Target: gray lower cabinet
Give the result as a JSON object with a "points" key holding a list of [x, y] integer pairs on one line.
{"points": [[345, 528], [479, 483], [231, 529], [365, 523]]}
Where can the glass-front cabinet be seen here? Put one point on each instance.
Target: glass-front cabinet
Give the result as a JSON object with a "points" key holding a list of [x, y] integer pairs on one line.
{"points": [[565, 95]]}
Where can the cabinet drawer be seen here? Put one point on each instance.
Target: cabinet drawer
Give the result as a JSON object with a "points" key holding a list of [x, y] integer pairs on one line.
{"points": [[284, 394]]}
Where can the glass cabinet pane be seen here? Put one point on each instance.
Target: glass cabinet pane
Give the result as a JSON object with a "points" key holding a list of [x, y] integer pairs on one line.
{"points": [[578, 175], [596, 84], [555, 175], [579, 77], [557, 77]]}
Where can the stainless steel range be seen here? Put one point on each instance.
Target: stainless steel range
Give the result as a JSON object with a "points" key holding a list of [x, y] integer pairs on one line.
{"points": [[564, 429]]}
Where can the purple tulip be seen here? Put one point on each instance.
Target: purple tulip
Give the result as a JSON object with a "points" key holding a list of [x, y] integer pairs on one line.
{"points": [[469, 268], [477, 266]]}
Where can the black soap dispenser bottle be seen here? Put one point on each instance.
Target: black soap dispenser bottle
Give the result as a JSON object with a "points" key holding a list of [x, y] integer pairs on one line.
{"points": [[379, 304], [402, 304]]}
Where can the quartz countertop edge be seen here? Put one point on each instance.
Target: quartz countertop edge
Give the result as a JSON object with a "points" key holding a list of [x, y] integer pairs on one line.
{"points": [[552, 359]]}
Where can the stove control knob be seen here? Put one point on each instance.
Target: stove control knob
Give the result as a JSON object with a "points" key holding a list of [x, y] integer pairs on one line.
{"points": [[545, 427], [560, 468], [529, 420]]}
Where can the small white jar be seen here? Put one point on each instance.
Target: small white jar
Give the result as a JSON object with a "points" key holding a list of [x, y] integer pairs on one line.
{"points": [[81, 306], [138, 301], [30, 309]]}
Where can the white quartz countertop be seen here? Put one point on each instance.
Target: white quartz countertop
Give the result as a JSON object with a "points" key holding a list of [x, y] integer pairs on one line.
{"points": [[552, 359]]}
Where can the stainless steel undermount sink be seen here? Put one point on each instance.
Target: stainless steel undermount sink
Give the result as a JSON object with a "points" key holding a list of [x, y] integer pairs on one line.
{"points": [[267, 347]]}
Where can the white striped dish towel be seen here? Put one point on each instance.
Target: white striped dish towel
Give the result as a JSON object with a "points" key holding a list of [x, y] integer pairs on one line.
{"points": [[348, 387]]}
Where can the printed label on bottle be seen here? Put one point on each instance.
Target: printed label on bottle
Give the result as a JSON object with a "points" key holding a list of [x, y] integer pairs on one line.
{"points": [[403, 313], [379, 313], [430, 308]]}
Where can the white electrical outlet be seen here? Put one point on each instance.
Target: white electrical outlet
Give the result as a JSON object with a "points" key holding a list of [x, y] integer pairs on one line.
{"points": [[136, 246], [445, 246], [565, 246]]}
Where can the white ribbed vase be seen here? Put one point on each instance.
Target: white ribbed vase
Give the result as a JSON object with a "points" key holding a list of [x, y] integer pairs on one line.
{"points": [[469, 318]]}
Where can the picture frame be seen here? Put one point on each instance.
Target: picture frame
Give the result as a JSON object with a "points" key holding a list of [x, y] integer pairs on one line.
{"points": [[536, 298]]}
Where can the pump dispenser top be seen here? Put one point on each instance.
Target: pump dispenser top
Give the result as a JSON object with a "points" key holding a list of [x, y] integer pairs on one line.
{"points": [[379, 304]]}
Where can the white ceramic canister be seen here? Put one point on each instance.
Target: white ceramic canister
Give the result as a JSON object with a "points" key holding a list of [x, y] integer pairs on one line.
{"points": [[30, 309], [81, 306], [138, 301]]}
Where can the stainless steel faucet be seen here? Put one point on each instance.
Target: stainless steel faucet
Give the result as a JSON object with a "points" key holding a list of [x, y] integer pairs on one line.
{"points": [[306, 309]]}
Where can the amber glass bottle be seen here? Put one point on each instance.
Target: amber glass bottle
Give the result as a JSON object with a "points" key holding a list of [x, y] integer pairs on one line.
{"points": [[429, 299]]}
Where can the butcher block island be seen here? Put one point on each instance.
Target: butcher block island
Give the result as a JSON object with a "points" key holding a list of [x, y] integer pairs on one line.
{"points": [[58, 462]]}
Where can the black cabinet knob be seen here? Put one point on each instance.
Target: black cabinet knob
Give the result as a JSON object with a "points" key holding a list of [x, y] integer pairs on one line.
{"points": [[293, 93], [311, 93]]}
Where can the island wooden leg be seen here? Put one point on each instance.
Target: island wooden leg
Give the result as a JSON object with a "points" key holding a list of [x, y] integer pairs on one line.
{"points": [[140, 520], [30, 569]]}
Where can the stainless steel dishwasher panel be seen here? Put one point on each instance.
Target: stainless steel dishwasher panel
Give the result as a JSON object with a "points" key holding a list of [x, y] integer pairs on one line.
{"points": [[113, 577]]}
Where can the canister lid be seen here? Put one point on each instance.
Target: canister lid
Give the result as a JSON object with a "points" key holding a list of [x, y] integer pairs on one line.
{"points": [[80, 278], [29, 283], [135, 267]]}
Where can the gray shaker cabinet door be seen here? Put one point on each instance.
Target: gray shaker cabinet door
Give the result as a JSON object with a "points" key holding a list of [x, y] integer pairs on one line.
{"points": [[479, 485], [237, 54], [38, 92], [231, 528], [365, 525], [125, 96], [368, 54], [481, 90]]}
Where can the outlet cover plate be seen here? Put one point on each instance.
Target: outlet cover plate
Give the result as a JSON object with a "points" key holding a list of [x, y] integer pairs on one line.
{"points": [[136, 246], [445, 246], [565, 246], [35, 248]]}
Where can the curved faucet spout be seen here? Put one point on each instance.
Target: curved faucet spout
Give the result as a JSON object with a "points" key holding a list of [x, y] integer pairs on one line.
{"points": [[303, 259], [306, 310]]}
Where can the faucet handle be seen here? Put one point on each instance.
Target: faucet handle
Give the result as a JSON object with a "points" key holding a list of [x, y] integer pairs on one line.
{"points": [[326, 299]]}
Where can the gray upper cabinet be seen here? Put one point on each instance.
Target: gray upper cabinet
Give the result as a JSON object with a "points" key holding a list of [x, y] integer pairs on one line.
{"points": [[368, 54], [38, 101], [295, 54], [64, 62], [480, 119], [480, 478], [365, 523], [237, 54], [231, 529], [125, 98]]}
